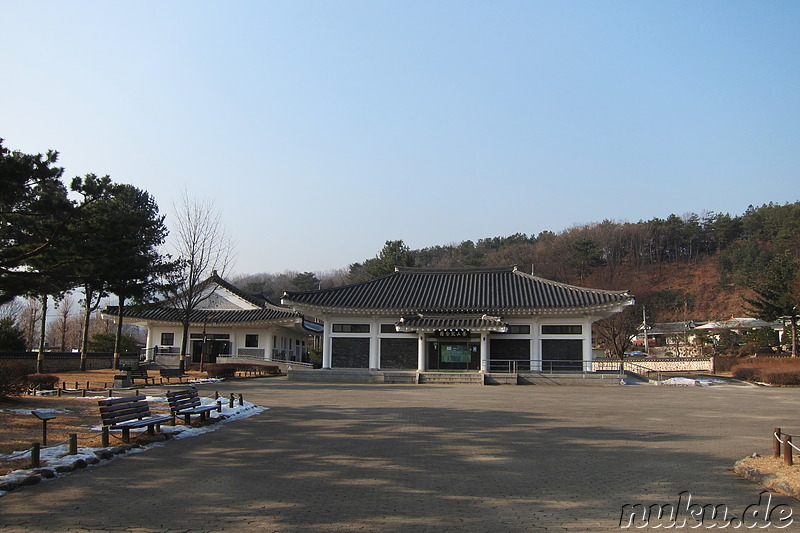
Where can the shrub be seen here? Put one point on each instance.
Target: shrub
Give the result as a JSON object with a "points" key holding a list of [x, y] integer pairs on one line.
{"points": [[221, 370], [13, 379], [43, 381], [725, 363], [228, 370], [781, 376], [747, 373], [772, 370]]}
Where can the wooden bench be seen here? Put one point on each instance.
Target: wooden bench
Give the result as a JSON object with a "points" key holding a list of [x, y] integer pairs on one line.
{"points": [[130, 413], [141, 373], [186, 403], [171, 373]]}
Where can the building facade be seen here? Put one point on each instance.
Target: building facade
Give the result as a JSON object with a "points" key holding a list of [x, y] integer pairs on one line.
{"points": [[489, 320], [227, 322]]}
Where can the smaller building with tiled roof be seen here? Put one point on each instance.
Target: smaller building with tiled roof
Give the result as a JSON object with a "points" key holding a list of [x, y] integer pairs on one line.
{"points": [[227, 321], [458, 319]]}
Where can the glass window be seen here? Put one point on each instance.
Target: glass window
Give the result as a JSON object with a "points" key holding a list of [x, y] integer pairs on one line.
{"points": [[167, 339], [524, 330], [388, 328], [562, 330], [351, 328], [251, 341]]}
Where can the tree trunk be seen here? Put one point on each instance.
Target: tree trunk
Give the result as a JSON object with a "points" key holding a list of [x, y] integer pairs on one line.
{"points": [[794, 335], [184, 342], [118, 339], [40, 355], [89, 294]]}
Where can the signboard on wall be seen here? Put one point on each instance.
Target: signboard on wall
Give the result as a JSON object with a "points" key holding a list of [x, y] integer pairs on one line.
{"points": [[455, 353]]}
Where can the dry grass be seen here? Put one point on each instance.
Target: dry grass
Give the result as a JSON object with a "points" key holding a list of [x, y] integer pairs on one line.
{"points": [[772, 370], [771, 473], [76, 415]]}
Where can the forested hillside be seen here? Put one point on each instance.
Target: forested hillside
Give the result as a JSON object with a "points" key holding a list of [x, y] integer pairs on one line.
{"points": [[695, 266]]}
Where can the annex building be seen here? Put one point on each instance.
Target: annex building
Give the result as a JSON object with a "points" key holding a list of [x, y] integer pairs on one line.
{"points": [[226, 322], [488, 320]]}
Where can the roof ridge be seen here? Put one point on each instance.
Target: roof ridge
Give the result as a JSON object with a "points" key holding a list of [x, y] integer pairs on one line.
{"points": [[454, 270], [568, 285]]}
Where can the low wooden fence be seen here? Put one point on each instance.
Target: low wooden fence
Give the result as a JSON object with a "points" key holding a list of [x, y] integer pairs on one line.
{"points": [[71, 446], [783, 442]]}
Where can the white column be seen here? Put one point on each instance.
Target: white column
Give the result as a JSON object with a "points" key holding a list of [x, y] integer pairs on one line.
{"points": [[536, 354], [374, 346], [422, 363], [269, 346], [484, 352], [587, 345], [326, 344]]}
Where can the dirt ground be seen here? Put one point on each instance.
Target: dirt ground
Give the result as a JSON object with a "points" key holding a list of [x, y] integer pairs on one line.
{"points": [[73, 412]]}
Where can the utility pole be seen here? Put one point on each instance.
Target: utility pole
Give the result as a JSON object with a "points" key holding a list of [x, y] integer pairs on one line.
{"points": [[644, 329]]}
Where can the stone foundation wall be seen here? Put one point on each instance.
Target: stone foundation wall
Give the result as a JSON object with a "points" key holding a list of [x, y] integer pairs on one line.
{"points": [[661, 364]]}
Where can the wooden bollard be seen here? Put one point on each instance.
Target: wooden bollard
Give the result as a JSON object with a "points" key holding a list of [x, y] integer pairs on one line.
{"points": [[73, 444], [230, 401], [104, 437], [241, 400], [216, 395], [219, 406], [137, 392], [87, 385], [76, 385], [35, 453], [64, 385], [110, 393], [787, 450], [83, 393], [58, 393], [776, 443]]}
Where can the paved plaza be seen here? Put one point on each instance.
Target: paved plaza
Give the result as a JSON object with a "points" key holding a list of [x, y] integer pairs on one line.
{"points": [[427, 458]]}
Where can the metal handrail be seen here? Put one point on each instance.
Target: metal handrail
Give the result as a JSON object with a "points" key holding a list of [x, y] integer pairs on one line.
{"points": [[549, 366], [641, 369]]}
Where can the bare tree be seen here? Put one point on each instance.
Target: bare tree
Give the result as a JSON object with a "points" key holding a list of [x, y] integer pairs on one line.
{"points": [[203, 248], [29, 320], [61, 324], [12, 309]]}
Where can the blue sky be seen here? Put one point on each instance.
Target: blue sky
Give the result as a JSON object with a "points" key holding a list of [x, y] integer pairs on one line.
{"points": [[322, 129]]}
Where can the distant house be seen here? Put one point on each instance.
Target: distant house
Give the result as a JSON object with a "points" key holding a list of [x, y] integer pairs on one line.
{"points": [[229, 322], [665, 333], [490, 319], [740, 326]]}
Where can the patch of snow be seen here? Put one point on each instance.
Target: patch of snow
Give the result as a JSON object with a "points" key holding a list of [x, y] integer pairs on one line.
{"points": [[30, 411], [689, 382], [52, 457]]}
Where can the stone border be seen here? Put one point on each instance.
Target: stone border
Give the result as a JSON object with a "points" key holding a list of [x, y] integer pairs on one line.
{"points": [[768, 480], [103, 454]]}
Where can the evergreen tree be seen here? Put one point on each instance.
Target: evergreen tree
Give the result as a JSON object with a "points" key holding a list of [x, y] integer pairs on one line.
{"points": [[11, 338], [134, 268], [777, 294]]}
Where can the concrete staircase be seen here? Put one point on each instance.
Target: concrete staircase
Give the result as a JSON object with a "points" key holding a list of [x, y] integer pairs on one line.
{"points": [[451, 378]]}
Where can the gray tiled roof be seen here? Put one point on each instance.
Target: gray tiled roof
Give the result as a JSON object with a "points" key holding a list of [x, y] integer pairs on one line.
{"points": [[463, 291], [199, 316]]}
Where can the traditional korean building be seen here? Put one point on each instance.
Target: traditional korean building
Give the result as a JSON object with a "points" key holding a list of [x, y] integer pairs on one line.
{"points": [[490, 320], [228, 322]]}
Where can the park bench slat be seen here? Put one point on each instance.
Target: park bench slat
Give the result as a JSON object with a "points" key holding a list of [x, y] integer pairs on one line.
{"points": [[129, 413], [186, 403]]}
